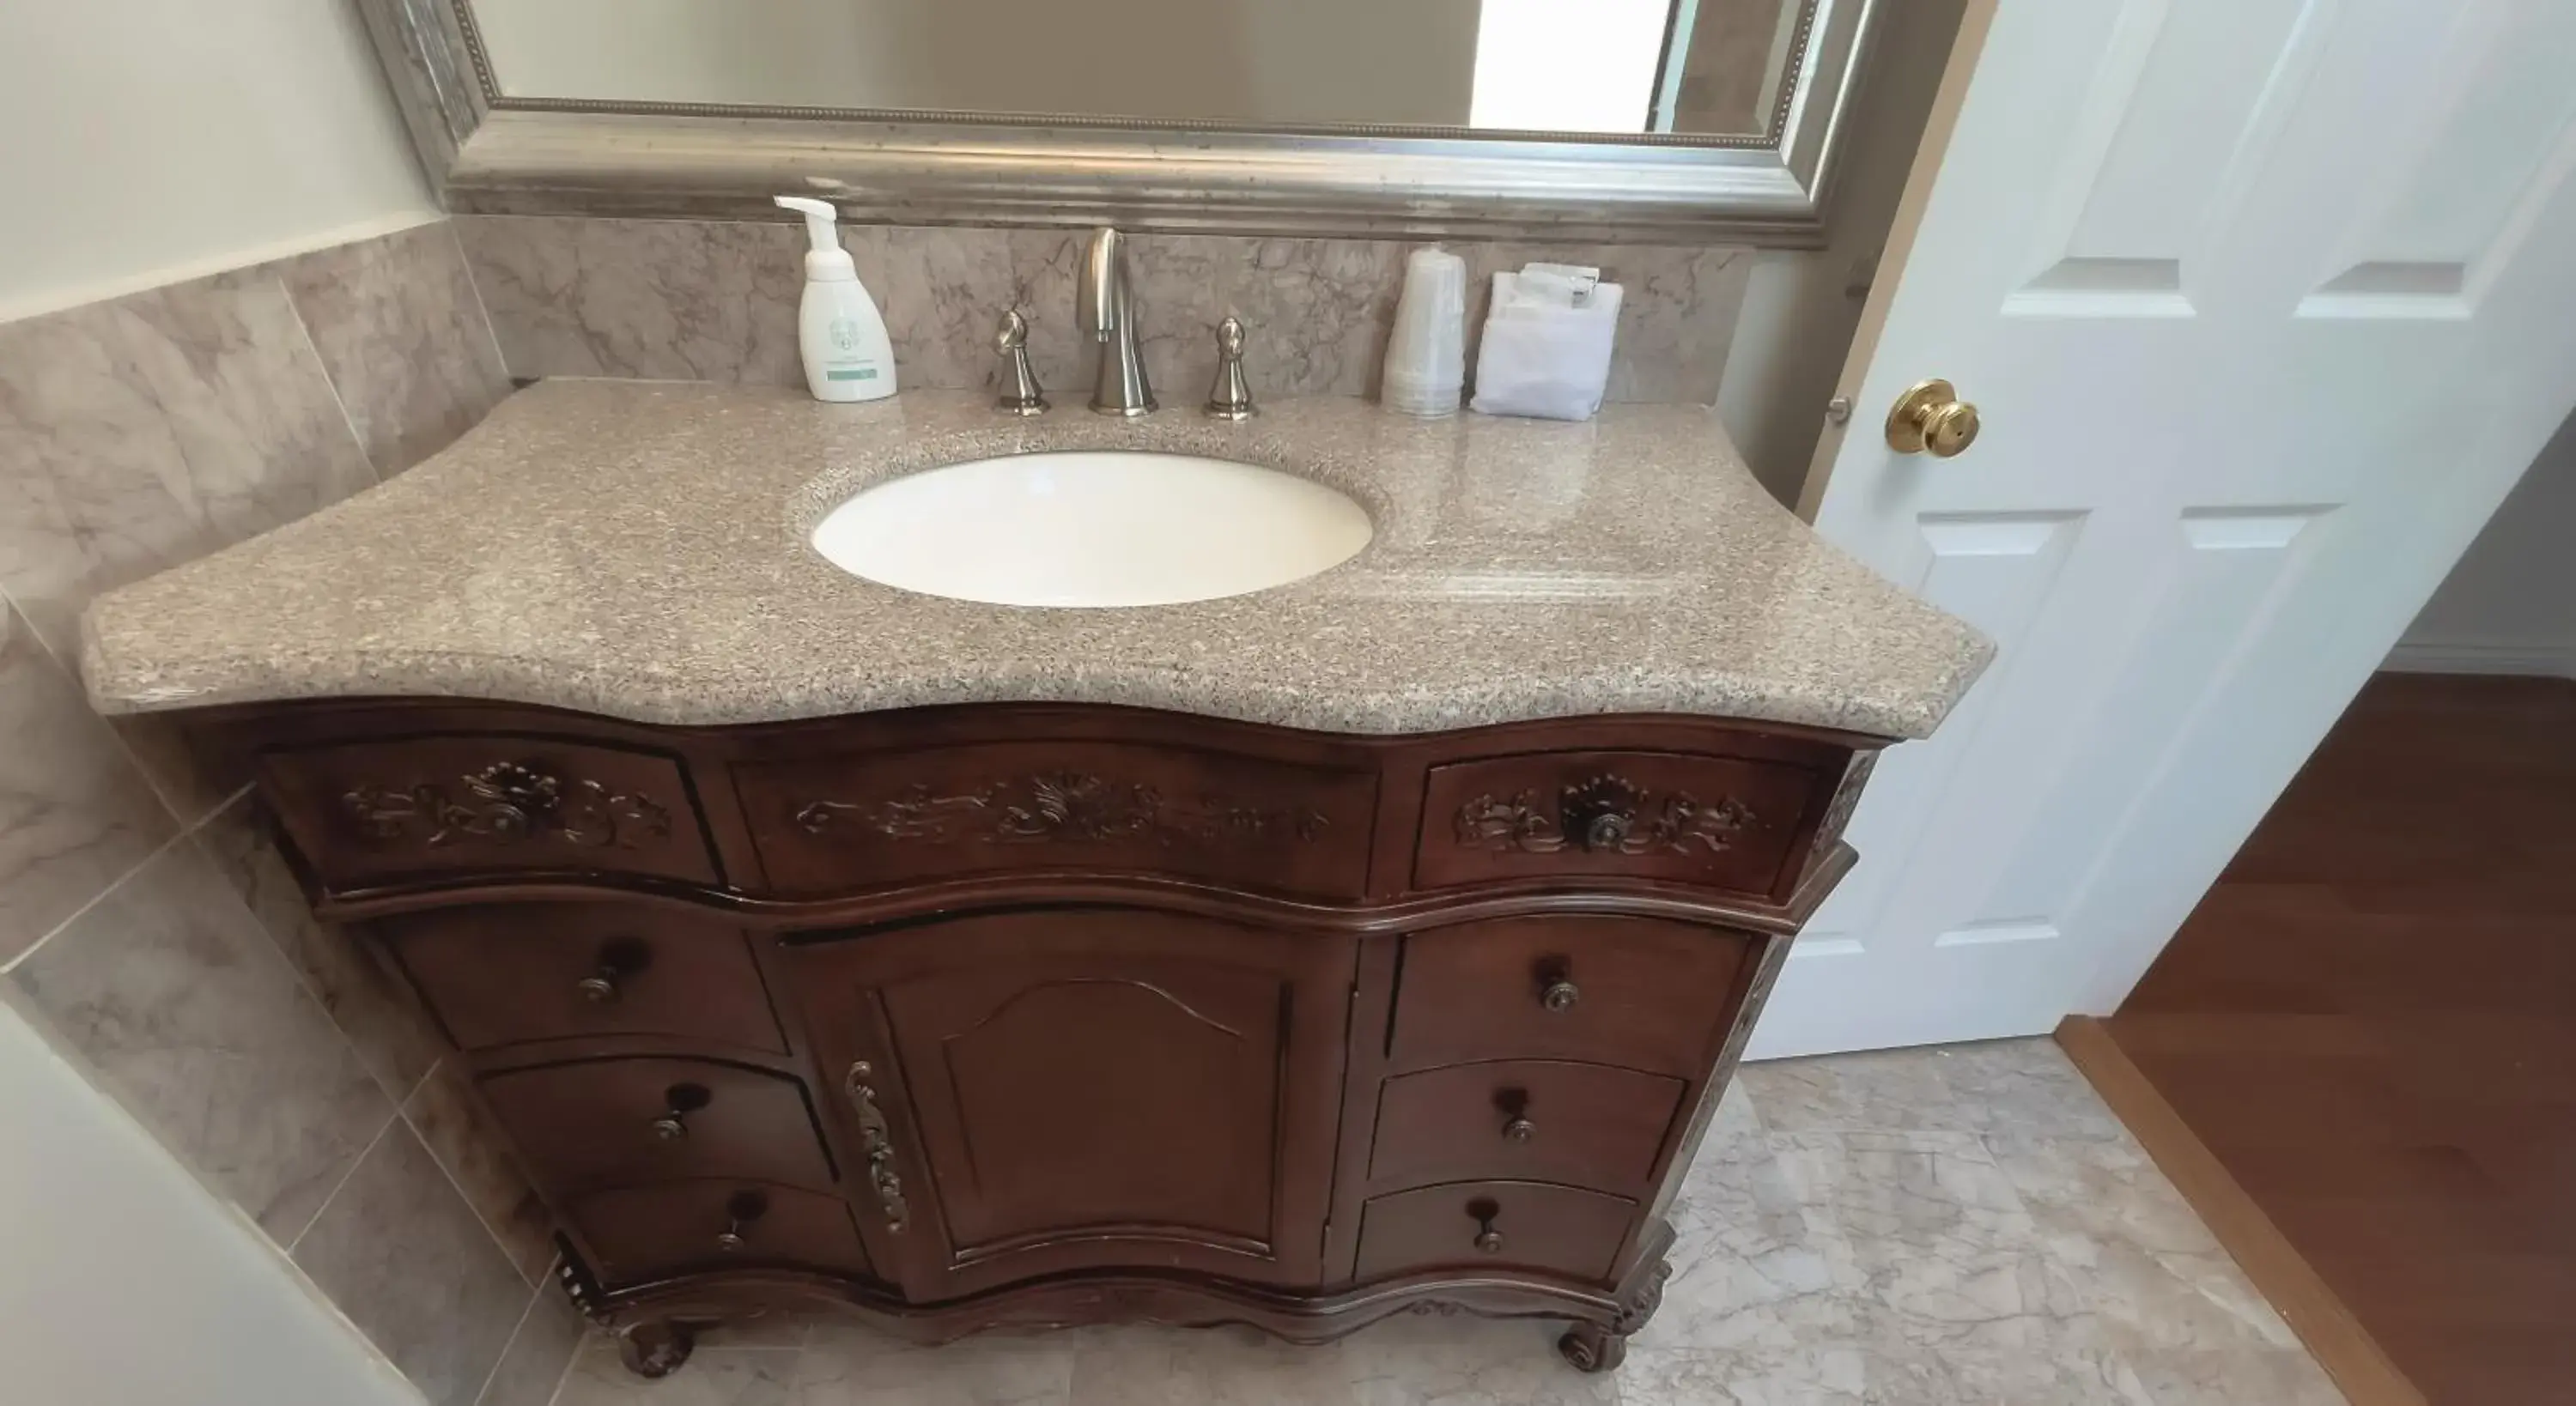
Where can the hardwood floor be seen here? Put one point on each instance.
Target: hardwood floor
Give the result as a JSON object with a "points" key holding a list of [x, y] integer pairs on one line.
{"points": [[2371, 1023]]}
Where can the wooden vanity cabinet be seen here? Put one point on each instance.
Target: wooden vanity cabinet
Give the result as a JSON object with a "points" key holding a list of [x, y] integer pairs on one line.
{"points": [[1021, 1014]]}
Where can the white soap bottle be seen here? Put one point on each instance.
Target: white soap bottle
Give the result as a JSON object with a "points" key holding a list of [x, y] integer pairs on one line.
{"points": [[838, 329]]}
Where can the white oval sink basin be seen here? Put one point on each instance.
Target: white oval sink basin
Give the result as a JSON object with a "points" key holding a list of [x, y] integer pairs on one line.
{"points": [[1092, 528]]}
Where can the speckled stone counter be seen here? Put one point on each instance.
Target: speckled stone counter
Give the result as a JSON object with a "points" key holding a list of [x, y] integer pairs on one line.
{"points": [[638, 549]]}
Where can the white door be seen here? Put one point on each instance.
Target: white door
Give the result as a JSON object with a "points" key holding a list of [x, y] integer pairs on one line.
{"points": [[2265, 304]]}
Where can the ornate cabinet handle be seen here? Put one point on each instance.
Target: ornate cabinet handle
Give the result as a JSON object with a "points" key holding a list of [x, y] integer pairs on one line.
{"points": [[1489, 1241], [877, 1141], [741, 1209], [1560, 995], [600, 987], [1520, 1130], [618, 959]]}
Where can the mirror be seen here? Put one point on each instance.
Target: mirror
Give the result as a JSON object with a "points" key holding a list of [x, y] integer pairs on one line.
{"points": [[1604, 120], [1592, 66]]}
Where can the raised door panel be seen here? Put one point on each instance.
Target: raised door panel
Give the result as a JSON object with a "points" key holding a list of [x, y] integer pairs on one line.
{"points": [[1097, 1088]]}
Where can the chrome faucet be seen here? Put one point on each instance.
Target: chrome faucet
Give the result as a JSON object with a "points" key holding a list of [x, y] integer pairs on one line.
{"points": [[1102, 309]]}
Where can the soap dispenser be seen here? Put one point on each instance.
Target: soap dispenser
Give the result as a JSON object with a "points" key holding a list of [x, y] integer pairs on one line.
{"points": [[838, 329]]}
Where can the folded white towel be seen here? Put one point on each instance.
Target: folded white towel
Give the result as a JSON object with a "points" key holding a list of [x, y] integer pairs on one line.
{"points": [[1547, 343]]}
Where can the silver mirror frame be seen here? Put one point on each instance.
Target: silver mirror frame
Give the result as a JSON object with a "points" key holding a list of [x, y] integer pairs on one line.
{"points": [[491, 154]]}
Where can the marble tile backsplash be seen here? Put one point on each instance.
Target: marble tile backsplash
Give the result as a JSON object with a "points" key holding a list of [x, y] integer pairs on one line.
{"points": [[676, 300], [147, 922]]}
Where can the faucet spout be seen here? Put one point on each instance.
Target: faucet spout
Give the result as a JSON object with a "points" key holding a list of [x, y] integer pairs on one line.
{"points": [[1106, 314]]}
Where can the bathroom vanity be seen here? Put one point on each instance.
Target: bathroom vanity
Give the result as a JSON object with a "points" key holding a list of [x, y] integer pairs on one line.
{"points": [[1382, 941]]}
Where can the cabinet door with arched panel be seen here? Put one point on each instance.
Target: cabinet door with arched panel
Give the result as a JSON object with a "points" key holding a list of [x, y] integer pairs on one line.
{"points": [[1092, 1087]]}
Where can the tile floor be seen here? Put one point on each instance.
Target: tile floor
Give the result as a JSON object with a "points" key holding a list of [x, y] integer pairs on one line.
{"points": [[1918, 1228]]}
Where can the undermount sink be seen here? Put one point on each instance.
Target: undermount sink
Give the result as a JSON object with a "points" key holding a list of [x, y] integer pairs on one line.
{"points": [[1092, 528]]}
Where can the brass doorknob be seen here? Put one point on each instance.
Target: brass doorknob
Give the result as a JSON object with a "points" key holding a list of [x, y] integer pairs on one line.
{"points": [[1930, 418]]}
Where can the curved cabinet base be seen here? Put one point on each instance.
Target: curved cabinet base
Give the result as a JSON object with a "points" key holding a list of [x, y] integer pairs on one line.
{"points": [[655, 1324]]}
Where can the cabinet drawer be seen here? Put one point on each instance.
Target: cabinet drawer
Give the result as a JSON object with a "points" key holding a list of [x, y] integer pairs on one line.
{"points": [[880, 818], [1640, 993], [1717, 822], [374, 812], [645, 1231], [506, 974], [1527, 1224], [1527, 1119], [624, 1122]]}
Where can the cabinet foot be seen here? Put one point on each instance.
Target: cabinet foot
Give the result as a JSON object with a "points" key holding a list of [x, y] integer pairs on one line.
{"points": [[1592, 1348], [655, 1349]]}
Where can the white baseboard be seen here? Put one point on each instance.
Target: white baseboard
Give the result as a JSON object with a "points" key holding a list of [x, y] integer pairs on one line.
{"points": [[2541, 658]]}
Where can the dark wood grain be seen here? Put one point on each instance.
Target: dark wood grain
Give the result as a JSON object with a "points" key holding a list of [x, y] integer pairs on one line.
{"points": [[1587, 1125], [1096, 1086], [487, 803], [505, 974], [1019, 1014], [2369, 1024], [1722, 822], [1634, 992], [715, 1226], [1532, 1225], [830, 824], [608, 1122]]}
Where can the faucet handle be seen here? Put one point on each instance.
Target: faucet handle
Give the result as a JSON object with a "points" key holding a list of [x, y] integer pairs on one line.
{"points": [[1021, 394], [1231, 397]]}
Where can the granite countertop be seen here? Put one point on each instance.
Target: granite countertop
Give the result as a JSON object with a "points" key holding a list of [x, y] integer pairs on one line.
{"points": [[638, 549]]}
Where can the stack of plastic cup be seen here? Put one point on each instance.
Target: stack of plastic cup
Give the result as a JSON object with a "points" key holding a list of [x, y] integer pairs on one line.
{"points": [[1426, 359]]}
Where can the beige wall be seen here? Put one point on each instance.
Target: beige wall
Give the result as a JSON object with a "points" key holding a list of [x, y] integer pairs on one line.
{"points": [[150, 140], [1800, 307], [2509, 606]]}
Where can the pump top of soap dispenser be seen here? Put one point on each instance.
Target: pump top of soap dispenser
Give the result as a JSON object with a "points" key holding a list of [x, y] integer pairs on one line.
{"points": [[826, 261]]}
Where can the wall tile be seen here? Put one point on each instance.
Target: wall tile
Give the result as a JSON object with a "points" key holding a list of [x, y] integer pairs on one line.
{"points": [[540, 1352], [75, 815], [171, 991], [656, 299], [404, 1257], [713, 301], [470, 1147], [147, 431], [403, 338], [364, 999]]}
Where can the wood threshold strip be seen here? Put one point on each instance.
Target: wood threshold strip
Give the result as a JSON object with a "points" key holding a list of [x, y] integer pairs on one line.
{"points": [[2341, 1345]]}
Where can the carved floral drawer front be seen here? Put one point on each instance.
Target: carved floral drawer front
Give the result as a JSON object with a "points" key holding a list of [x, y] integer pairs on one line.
{"points": [[1717, 822], [377, 812], [880, 818]]}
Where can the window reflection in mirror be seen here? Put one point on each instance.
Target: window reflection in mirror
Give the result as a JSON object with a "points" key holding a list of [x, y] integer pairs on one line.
{"points": [[1690, 67]]}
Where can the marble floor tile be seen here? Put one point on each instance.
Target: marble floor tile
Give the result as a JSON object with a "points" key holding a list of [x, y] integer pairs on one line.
{"points": [[2002, 1085], [1915, 1228], [714, 1376], [847, 1365]]}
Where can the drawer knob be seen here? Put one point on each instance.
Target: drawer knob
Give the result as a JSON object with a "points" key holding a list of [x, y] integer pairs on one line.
{"points": [[618, 960], [741, 1209], [1560, 995], [678, 1102], [1520, 1130], [1489, 1241]]}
